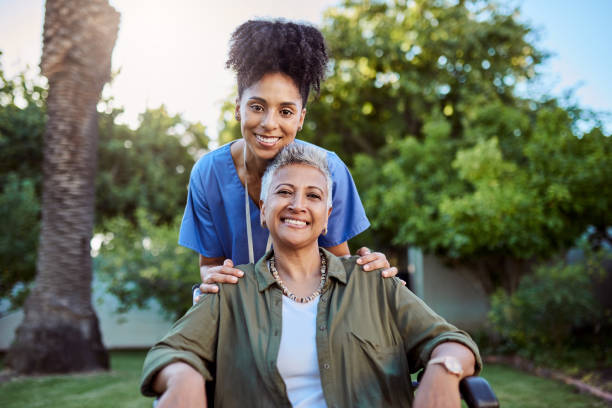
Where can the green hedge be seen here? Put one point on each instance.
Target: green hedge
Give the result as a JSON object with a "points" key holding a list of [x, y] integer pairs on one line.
{"points": [[554, 312]]}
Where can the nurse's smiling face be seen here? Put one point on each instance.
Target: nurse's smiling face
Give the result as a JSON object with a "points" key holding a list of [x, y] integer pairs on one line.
{"points": [[270, 113]]}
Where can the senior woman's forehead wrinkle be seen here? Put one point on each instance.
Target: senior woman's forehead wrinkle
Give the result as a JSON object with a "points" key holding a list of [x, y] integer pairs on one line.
{"points": [[293, 186], [284, 184], [294, 174]]}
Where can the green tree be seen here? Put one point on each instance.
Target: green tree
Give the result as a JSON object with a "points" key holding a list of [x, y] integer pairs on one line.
{"points": [[553, 311], [20, 212], [147, 167], [143, 261], [394, 64], [141, 197], [60, 331], [422, 103], [22, 123]]}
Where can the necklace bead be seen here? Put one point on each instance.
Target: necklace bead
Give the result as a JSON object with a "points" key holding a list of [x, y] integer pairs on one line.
{"points": [[285, 289]]}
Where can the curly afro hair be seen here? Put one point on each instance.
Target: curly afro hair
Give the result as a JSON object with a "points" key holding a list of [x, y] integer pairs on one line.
{"points": [[258, 47]]}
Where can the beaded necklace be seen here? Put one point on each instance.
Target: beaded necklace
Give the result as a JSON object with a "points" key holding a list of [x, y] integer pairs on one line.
{"points": [[286, 290]]}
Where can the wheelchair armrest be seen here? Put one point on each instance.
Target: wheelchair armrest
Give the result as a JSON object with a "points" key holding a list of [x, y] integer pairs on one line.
{"points": [[477, 393]]}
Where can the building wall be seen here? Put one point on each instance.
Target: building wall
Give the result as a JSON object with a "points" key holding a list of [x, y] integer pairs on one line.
{"points": [[454, 293], [135, 329]]}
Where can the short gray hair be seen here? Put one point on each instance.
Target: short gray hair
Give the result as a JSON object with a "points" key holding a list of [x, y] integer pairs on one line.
{"points": [[298, 153]]}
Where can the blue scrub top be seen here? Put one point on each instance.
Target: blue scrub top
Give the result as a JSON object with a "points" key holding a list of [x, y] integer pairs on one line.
{"points": [[214, 223]]}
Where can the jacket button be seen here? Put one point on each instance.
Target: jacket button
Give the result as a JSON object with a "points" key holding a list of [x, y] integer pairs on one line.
{"points": [[326, 366]]}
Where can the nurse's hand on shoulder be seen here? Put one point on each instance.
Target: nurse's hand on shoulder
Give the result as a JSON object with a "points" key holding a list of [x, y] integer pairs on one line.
{"points": [[376, 260], [217, 270]]}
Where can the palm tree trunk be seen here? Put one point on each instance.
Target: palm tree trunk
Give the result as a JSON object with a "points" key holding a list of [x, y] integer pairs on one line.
{"points": [[60, 331]]}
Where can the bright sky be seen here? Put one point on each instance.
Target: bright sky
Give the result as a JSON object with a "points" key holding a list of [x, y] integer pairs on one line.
{"points": [[173, 52]]}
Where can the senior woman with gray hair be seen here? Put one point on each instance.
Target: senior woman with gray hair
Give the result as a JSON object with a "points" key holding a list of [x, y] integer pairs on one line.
{"points": [[305, 328]]}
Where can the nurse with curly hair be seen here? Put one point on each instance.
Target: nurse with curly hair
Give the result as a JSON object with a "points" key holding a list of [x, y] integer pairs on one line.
{"points": [[277, 64]]}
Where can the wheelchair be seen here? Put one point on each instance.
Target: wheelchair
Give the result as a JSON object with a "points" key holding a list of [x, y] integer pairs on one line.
{"points": [[474, 390]]}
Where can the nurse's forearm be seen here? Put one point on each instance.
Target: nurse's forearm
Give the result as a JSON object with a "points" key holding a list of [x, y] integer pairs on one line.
{"points": [[340, 250], [206, 261]]}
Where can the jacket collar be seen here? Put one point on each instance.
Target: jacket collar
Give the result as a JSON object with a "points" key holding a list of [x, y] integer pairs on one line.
{"points": [[335, 269]]}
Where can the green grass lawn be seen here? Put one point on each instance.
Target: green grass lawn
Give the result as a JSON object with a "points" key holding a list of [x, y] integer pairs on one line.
{"points": [[516, 389], [119, 388]]}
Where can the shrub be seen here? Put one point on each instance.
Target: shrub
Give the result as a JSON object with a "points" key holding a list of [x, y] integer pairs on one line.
{"points": [[553, 310], [144, 262]]}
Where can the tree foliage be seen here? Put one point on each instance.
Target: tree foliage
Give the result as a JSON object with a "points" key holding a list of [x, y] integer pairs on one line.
{"points": [[554, 310], [142, 197], [147, 167], [22, 123], [394, 64], [423, 102], [143, 261], [20, 212]]}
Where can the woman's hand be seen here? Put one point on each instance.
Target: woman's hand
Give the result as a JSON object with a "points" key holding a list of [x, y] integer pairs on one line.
{"points": [[216, 270], [180, 385], [375, 260]]}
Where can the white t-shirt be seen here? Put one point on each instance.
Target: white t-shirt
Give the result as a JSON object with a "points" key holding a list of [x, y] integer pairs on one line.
{"points": [[297, 359]]}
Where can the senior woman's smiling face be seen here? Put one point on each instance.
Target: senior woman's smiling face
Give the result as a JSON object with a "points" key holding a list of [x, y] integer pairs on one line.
{"points": [[296, 210]]}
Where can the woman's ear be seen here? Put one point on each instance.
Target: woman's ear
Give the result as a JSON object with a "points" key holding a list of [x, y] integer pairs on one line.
{"points": [[262, 214], [326, 221], [237, 110], [302, 117]]}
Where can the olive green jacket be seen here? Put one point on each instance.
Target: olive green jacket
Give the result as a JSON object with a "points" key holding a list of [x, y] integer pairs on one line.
{"points": [[371, 334]]}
